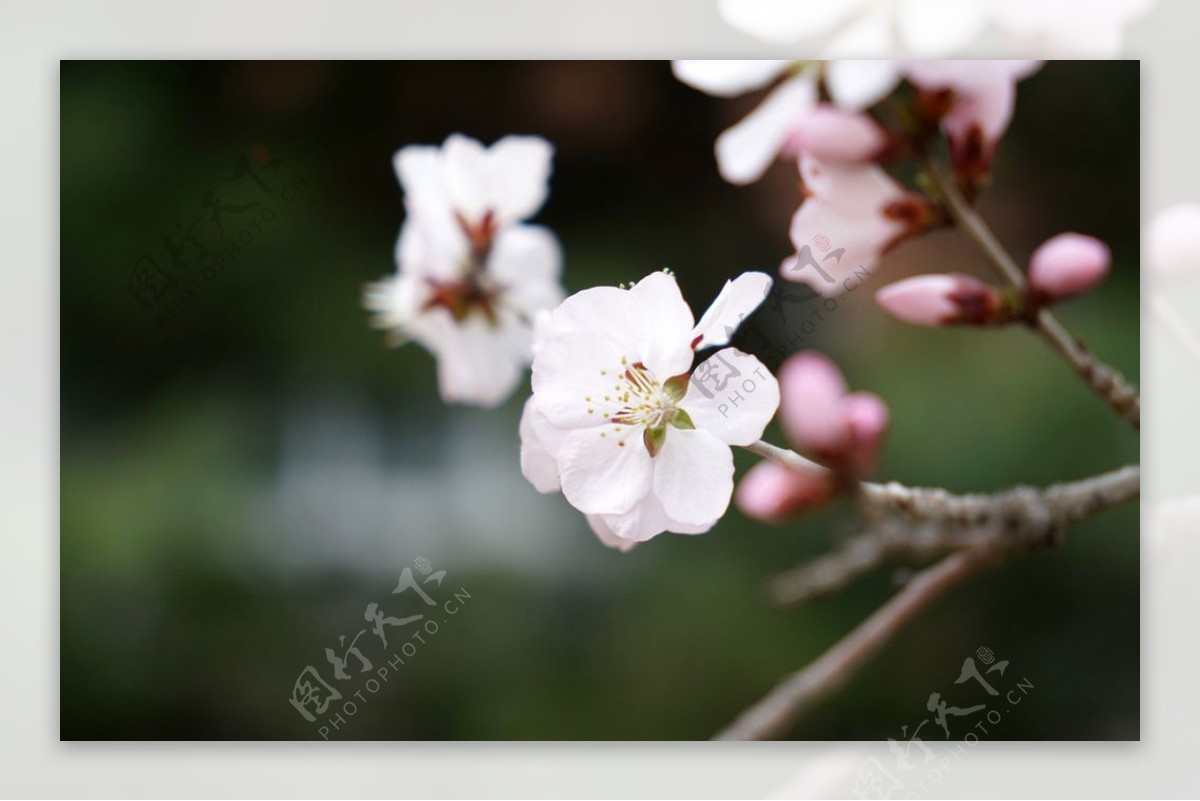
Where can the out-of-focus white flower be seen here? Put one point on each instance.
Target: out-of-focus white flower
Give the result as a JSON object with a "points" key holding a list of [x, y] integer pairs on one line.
{"points": [[1069, 27], [619, 422], [934, 28], [857, 208], [471, 276], [790, 118]]}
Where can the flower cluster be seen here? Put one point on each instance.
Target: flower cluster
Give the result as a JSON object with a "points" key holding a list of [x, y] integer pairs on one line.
{"points": [[841, 147], [471, 273], [635, 405]]}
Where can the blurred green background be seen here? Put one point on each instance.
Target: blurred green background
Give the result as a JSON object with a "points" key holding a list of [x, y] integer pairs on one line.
{"points": [[239, 482]]}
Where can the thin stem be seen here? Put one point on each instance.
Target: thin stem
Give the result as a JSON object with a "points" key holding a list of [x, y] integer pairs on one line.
{"points": [[771, 716], [1103, 380]]}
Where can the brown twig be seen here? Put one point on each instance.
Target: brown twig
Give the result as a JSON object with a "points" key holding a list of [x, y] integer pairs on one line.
{"points": [[919, 523], [1101, 378], [979, 529], [771, 716]]}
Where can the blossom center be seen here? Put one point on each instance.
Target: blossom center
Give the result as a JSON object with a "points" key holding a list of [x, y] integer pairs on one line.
{"points": [[474, 293], [640, 403]]}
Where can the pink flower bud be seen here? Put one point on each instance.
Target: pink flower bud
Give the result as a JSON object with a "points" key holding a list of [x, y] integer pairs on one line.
{"points": [[867, 417], [771, 492], [942, 299], [833, 134], [811, 388], [1068, 264]]}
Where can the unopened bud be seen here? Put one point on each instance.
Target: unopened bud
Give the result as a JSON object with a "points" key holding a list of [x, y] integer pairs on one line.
{"points": [[867, 417], [772, 493], [1067, 265], [943, 299]]}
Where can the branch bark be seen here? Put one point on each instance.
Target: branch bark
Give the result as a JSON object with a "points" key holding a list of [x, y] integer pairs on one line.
{"points": [[1102, 379], [980, 530], [771, 716]]}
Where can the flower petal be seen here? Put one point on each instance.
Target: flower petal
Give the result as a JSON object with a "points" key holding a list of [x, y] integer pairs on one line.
{"points": [[745, 151], [693, 476], [467, 186], [607, 535], [727, 78], [664, 346], [857, 84], [737, 411], [568, 371], [605, 474], [539, 442], [811, 411], [644, 521], [786, 20], [771, 492], [479, 363], [518, 174], [737, 300], [526, 261]]}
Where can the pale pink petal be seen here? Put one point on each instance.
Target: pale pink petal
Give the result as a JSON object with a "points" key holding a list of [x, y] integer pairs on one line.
{"points": [[811, 411], [921, 300], [772, 493], [745, 151], [605, 533], [693, 476], [539, 440], [644, 521], [1068, 264], [867, 417], [848, 206], [737, 300], [571, 374], [604, 475], [738, 413], [1173, 240], [664, 342], [728, 78], [834, 134]]}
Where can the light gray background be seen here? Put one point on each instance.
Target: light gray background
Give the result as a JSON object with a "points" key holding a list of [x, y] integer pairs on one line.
{"points": [[33, 36]]}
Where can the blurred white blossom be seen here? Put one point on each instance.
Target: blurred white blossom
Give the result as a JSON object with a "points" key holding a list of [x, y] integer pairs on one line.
{"points": [[471, 275], [936, 28]]}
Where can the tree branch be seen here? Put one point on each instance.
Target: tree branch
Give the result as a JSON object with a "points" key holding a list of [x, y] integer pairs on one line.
{"points": [[1101, 378], [980, 529], [771, 716]]}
